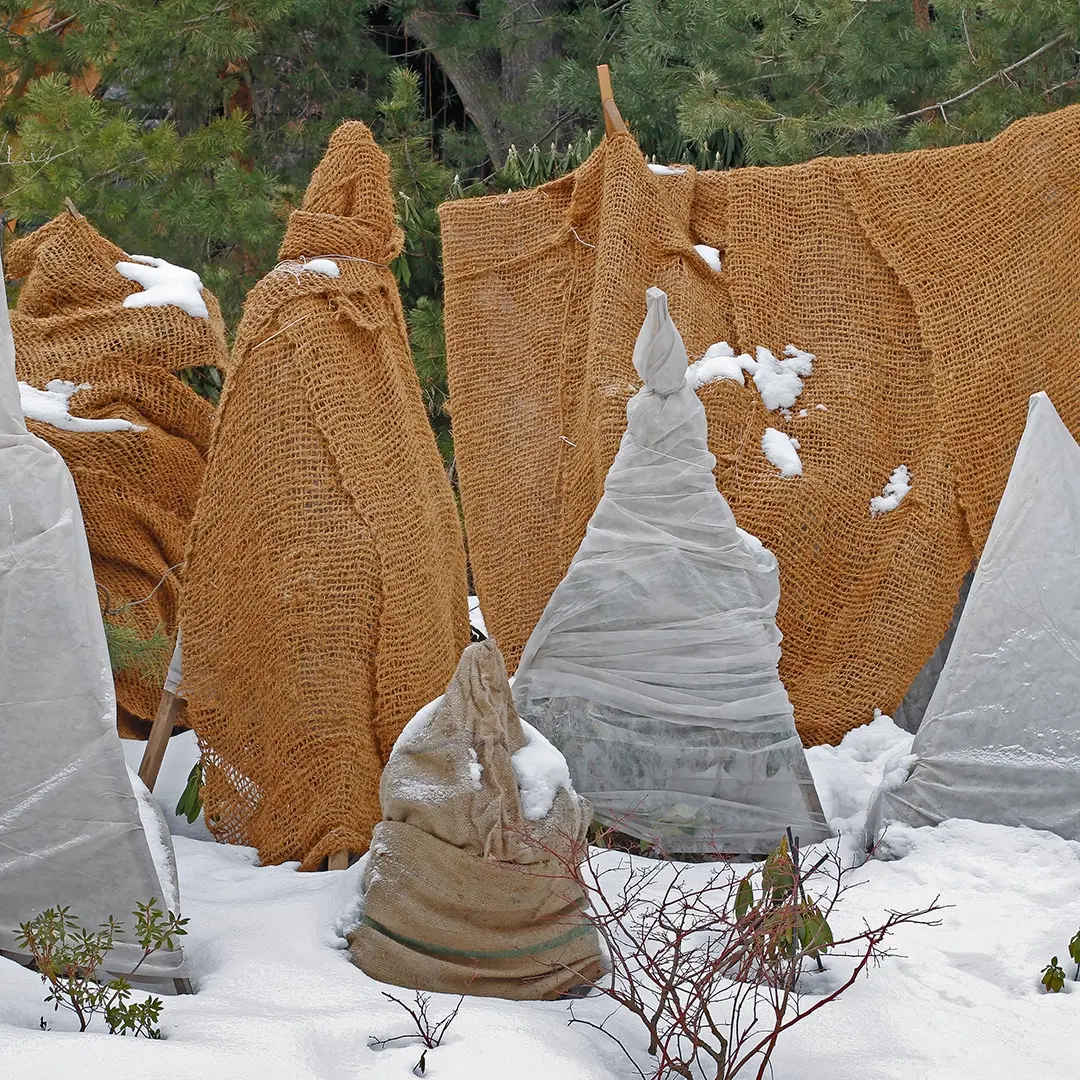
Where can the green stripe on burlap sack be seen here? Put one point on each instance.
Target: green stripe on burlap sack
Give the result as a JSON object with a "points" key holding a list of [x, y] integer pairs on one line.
{"points": [[466, 954], [439, 918]]}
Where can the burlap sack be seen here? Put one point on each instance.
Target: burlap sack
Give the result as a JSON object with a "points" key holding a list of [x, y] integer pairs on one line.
{"points": [[325, 597], [463, 892], [137, 488], [934, 289]]}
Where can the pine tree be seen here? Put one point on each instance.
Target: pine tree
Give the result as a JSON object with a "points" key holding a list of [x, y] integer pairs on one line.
{"points": [[129, 650], [770, 82], [201, 127], [420, 181]]}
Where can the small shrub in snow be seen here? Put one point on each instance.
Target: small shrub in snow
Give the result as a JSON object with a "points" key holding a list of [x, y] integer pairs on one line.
{"points": [[717, 970], [1053, 976], [68, 957], [429, 1032]]}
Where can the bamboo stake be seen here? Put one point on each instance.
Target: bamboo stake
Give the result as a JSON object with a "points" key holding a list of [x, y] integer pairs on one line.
{"points": [[160, 732]]}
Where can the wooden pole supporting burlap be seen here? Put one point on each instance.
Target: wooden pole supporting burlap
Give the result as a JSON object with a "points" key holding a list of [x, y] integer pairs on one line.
{"points": [[613, 121], [164, 721]]}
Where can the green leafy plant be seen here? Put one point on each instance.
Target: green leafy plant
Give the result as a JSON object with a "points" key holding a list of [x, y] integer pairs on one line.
{"points": [[1074, 954], [149, 657], [206, 381], [68, 958], [781, 919], [1053, 977], [189, 805]]}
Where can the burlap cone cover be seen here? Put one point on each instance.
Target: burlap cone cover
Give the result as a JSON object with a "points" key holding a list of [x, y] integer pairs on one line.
{"points": [[463, 893], [936, 290], [325, 596], [137, 489]]}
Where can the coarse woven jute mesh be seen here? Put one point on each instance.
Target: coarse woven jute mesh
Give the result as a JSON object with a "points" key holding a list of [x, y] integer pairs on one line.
{"points": [[325, 597], [137, 489], [934, 289]]}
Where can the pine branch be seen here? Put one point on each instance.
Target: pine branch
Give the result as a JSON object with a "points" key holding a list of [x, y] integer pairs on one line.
{"points": [[942, 105]]}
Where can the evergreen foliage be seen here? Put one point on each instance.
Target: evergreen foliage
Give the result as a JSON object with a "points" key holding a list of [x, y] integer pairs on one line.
{"points": [[770, 82], [148, 657], [69, 958], [189, 128]]}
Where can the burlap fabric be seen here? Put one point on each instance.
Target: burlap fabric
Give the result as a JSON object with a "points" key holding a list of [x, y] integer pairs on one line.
{"points": [[325, 597], [463, 893], [137, 489], [935, 290]]}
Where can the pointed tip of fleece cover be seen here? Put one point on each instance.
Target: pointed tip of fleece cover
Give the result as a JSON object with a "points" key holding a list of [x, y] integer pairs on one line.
{"points": [[659, 353], [1040, 405], [1043, 423]]}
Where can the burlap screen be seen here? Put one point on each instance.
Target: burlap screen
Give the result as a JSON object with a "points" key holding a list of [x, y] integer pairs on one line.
{"points": [[137, 489], [936, 290], [325, 597]]}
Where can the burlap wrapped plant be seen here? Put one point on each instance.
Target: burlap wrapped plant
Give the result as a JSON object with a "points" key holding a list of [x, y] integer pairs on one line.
{"points": [[468, 888], [137, 486], [325, 597]]}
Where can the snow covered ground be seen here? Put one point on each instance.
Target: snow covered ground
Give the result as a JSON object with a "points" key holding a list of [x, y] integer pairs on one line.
{"points": [[278, 998]]}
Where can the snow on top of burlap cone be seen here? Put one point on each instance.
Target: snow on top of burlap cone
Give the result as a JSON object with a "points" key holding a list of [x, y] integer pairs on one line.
{"points": [[461, 767]]}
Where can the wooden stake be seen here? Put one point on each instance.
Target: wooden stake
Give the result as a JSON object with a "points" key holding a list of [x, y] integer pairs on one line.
{"points": [[613, 121], [338, 861], [162, 728], [71, 208]]}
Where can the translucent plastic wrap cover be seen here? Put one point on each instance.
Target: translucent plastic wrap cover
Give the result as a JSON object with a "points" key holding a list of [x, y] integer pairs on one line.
{"points": [[70, 832], [654, 665], [1000, 741]]}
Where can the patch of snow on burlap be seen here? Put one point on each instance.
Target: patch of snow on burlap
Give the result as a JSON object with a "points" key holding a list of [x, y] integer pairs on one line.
{"points": [[893, 494], [710, 255], [782, 451], [540, 770], [780, 382], [50, 406], [163, 284]]}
